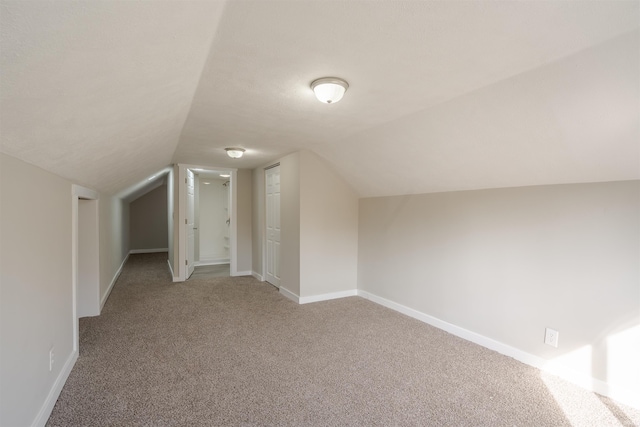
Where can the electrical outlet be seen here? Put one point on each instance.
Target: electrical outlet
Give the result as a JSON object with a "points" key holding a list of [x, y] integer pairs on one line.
{"points": [[51, 359], [551, 337]]}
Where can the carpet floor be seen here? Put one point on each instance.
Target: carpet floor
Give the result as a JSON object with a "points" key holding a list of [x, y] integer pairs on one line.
{"points": [[232, 351]]}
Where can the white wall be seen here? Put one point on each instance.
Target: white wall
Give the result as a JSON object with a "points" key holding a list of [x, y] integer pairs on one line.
{"points": [[328, 229], [212, 209], [35, 287], [148, 220], [507, 263]]}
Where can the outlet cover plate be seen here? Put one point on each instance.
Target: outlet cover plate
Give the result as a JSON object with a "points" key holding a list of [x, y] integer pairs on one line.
{"points": [[551, 337]]}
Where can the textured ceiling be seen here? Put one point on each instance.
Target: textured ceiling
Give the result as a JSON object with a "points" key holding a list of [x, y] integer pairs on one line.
{"points": [[443, 95], [98, 91]]}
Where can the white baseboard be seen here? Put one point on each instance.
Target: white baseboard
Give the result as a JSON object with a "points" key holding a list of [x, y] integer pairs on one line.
{"points": [[148, 251], [326, 297], [217, 262], [287, 293], [257, 276], [585, 381], [104, 298], [242, 273], [45, 411]]}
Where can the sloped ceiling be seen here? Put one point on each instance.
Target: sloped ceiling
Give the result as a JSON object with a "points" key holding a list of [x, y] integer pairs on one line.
{"points": [[98, 91], [443, 95]]}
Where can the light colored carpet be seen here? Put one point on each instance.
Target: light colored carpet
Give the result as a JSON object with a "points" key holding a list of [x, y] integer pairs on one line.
{"points": [[234, 352]]}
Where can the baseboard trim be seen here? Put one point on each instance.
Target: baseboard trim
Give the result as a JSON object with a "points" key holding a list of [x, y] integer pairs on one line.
{"points": [[148, 251], [257, 276], [242, 273], [585, 381], [47, 407], [327, 297], [287, 293], [200, 263], [104, 298]]}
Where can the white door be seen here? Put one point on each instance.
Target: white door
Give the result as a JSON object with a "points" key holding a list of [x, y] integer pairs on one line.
{"points": [[272, 180], [190, 223]]}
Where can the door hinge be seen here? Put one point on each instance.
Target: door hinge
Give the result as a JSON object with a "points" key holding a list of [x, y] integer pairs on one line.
{"points": [[185, 220], [185, 180], [186, 262]]}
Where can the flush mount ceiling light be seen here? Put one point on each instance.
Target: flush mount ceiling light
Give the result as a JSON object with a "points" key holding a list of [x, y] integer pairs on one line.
{"points": [[234, 152], [329, 89], [225, 175]]}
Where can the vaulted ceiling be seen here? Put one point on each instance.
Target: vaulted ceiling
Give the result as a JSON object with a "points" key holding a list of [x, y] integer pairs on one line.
{"points": [[443, 95]]}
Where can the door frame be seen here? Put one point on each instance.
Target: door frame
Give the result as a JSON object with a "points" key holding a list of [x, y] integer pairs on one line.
{"points": [[180, 250], [77, 193]]}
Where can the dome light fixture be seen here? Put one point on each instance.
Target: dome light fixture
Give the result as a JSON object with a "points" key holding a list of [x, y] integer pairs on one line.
{"points": [[235, 152], [329, 89]]}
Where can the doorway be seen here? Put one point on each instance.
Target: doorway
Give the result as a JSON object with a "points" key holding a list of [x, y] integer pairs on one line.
{"points": [[212, 243], [272, 208], [85, 256], [206, 221]]}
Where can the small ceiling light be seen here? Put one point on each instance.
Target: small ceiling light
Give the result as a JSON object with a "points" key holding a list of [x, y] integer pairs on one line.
{"points": [[234, 152], [206, 182], [225, 175], [329, 89]]}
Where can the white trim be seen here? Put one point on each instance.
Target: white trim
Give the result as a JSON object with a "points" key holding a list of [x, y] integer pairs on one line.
{"points": [[170, 269], [104, 298], [78, 192], [257, 276], [287, 293], [47, 407], [242, 273], [219, 262], [84, 193], [329, 296], [627, 397], [148, 251]]}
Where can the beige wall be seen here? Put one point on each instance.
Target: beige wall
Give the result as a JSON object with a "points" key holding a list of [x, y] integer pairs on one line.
{"points": [[35, 286], [244, 206], [328, 229], [507, 263], [319, 219], [289, 222], [36, 309], [148, 220], [257, 220], [114, 239]]}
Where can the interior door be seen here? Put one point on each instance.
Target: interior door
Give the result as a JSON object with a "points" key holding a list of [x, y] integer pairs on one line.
{"points": [[190, 223], [272, 181]]}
